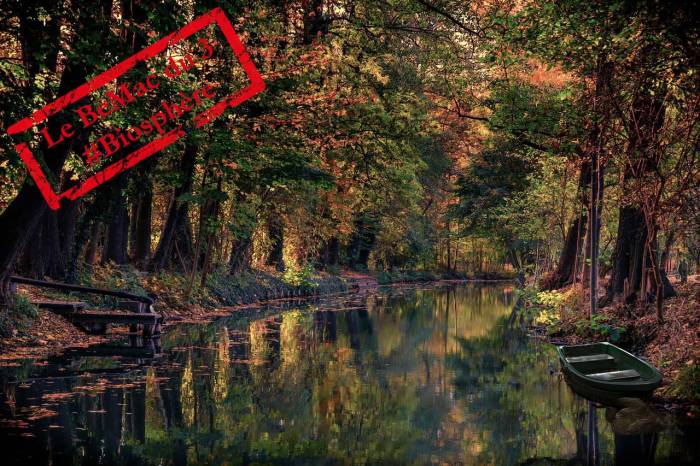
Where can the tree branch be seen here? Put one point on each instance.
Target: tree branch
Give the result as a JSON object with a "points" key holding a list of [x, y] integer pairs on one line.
{"points": [[430, 7]]}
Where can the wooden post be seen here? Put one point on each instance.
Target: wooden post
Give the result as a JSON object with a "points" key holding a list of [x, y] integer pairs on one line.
{"points": [[594, 230]]}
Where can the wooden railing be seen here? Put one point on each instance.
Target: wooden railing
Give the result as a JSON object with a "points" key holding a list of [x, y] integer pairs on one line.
{"points": [[82, 289]]}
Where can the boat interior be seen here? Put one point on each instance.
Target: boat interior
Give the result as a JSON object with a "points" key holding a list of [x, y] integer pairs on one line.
{"points": [[600, 365]]}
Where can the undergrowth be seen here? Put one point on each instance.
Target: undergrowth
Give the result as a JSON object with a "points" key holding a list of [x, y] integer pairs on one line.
{"points": [[563, 311], [687, 384], [300, 276], [17, 317], [409, 276]]}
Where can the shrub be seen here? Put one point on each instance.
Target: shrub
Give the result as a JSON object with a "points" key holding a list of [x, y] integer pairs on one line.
{"points": [[550, 304], [599, 325], [687, 385], [546, 307], [302, 276], [18, 316]]}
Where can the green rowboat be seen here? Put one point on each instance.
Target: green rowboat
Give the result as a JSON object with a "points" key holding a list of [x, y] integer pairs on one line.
{"points": [[602, 371]]}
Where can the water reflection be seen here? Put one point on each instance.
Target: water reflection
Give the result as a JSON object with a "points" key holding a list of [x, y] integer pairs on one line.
{"points": [[401, 377]]}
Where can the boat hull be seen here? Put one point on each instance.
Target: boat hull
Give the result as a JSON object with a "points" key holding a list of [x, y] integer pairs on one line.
{"points": [[598, 395], [607, 392]]}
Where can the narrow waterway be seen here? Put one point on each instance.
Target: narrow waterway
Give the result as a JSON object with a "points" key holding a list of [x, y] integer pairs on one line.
{"points": [[432, 375]]}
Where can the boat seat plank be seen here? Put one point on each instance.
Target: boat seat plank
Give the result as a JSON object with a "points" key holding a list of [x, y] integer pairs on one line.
{"points": [[590, 358], [616, 375]]}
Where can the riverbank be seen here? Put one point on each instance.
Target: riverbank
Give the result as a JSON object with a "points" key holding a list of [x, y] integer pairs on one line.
{"points": [[673, 346], [30, 333]]}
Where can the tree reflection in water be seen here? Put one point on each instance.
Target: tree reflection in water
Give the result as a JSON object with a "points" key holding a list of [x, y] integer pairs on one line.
{"points": [[402, 377]]}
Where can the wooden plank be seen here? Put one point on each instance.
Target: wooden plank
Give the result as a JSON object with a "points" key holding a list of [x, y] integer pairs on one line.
{"points": [[60, 306], [616, 375], [590, 358], [131, 305], [115, 318]]}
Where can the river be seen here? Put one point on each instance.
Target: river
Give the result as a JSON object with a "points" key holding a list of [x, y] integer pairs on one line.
{"points": [[426, 375]]}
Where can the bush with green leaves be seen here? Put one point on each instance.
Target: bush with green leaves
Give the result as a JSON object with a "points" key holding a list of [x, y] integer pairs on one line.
{"points": [[599, 325], [300, 276], [542, 307], [17, 317]]}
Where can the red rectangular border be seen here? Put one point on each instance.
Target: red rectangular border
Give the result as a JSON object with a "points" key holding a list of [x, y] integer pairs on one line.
{"points": [[215, 16]]}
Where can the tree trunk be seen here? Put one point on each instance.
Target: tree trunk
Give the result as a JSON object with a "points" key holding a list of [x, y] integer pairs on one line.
{"points": [[597, 177], [142, 225], [631, 251], [628, 255], [329, 253], [241, 256], [175, 242], [362, 242], [22, 215], [49, 250], [117, 240], [68, 217], [668, 245], [43, 248], [49, 246], [567, 266], [20, 218], [276, 234], [93, 243]]}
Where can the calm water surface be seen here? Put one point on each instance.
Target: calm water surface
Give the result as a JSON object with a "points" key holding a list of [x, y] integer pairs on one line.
{"points": [[412, 376]]}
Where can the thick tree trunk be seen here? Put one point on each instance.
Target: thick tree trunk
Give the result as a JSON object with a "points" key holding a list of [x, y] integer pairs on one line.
{"points": [[41, 255], [632, 256], [629, 252], [566, 267], [244, 222], [117, 240], [48, 252], [630, 260], [135, 14], [22, 215], [20, 218], [569, 259], [49, 246], [177, 233], [241, 256]]}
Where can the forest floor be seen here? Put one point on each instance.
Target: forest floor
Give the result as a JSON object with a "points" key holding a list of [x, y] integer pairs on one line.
{"points": [[41, 333], [673, 346]]}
